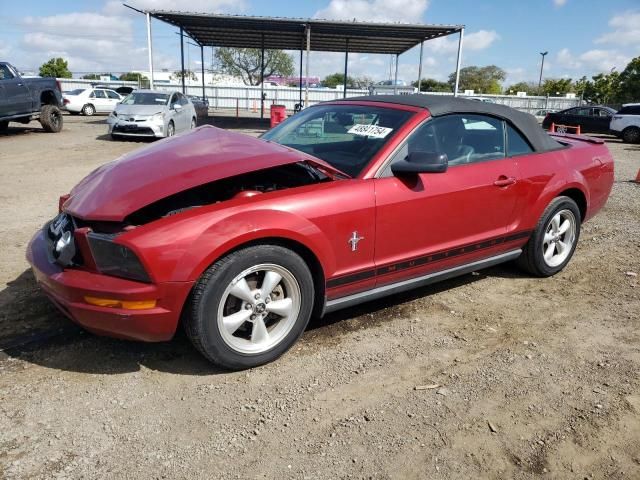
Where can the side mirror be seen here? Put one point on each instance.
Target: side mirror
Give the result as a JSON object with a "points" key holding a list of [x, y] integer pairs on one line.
{"points": [[421, 162], [177, 107]]}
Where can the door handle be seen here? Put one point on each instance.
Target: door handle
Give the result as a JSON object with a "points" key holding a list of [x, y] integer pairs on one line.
{"points": [[503, 181]]}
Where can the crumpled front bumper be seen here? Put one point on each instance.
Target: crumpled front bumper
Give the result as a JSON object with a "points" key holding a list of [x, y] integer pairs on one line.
{"points": [[68, 287]]}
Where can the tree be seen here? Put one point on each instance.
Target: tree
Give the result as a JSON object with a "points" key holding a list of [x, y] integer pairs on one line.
{"points": [[134, 77], [529, 87], [246, 62], [480, 79], [55, 67], [177, 75], [432, 85], [556, 86], [629, 83], [336, 80]]}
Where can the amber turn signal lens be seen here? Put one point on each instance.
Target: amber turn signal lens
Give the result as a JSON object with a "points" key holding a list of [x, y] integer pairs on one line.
{"points": [[125, 304]]}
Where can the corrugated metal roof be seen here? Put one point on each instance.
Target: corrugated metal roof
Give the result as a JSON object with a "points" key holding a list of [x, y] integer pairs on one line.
{"points": [[289, 33]]}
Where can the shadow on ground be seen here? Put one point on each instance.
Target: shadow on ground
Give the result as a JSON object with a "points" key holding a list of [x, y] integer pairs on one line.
{"points": [[37, 333]]}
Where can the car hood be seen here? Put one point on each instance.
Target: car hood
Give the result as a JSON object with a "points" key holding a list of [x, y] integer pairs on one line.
{"points": [[139, 109], [135, 180]]}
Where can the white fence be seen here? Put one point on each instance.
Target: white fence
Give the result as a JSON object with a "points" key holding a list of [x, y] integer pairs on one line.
{"points": [[247, 98]]}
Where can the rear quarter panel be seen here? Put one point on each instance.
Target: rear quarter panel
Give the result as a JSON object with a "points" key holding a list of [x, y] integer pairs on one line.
{"points": [[587, 167]]}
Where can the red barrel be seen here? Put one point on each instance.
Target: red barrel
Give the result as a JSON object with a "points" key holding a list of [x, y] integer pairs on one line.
{"points": [[278, 114]]}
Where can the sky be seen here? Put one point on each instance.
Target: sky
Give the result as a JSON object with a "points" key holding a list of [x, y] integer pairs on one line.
{"points": [[583, 37]]}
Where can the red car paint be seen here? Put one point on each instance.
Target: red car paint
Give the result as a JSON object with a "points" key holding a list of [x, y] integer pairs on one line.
{"points": [[407, 227]]}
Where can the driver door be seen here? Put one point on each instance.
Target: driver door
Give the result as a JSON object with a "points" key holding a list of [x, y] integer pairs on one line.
{"points": [[434, 221]]}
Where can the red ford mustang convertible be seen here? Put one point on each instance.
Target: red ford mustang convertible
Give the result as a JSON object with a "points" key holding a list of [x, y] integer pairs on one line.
{"points": [[243, 239]]}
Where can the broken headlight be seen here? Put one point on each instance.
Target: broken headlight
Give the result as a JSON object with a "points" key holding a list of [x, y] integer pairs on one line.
{"points": [[115, 259]]}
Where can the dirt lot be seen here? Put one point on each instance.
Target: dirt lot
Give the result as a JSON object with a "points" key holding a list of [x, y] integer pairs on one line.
{"points": [[534, 377]]}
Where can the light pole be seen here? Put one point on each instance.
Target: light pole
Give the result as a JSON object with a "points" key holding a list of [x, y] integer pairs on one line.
{"points": [[541, 67]]}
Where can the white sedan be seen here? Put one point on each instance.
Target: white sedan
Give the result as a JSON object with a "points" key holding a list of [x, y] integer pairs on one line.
{"points": [[91, 100], [152, 113]]}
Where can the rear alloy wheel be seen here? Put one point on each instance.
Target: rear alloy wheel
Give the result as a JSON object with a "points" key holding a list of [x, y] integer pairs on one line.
{"points": [[631, 135], [88, 110], [251, 306], [554, 240], [171, 129], [51, 118]]}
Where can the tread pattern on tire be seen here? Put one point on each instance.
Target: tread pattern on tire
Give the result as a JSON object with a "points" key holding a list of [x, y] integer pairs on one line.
{"points": [[46, 118]]}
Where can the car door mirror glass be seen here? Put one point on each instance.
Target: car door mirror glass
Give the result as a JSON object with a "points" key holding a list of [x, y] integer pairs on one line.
{"points": [[421, 162], [177, 107]]}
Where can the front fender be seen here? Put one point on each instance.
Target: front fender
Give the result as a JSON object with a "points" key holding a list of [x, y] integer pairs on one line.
{"points": [[244, 227]]}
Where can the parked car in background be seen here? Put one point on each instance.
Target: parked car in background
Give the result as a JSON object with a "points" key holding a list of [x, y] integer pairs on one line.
{"points": [[26, 99], [590, 119], [152, 113], [241, 239], [123, 91], [626, 123], [540, 114], [481, 99], [90, 101], [201, 106]]}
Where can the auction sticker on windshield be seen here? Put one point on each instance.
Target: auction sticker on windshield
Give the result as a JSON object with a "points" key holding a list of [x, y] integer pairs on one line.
{"points": [[373, 131]]}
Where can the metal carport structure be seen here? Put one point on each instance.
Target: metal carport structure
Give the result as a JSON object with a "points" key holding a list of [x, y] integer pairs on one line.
{"points": [[213, 30]]}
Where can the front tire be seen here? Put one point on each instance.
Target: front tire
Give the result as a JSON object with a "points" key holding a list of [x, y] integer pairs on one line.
{"points": [[250, 307], [51, 118], [4, 126], [171, 129], [194, 122], [631, 135], [554, 240]]}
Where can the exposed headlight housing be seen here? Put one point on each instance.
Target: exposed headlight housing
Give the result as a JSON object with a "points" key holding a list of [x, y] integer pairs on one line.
{"points": [[115, 259]]}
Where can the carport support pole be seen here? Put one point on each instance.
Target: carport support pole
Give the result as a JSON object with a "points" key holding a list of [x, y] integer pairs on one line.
{"points": [[204, 94], [346, 62], [150, 51], [420, 67], [262, 79], [306, 70], [300, 84], [182, 59], [395, 77], [458, 62]]}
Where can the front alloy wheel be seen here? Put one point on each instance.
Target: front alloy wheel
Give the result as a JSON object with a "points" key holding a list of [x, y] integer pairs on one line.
{"points": [[251, 306]]}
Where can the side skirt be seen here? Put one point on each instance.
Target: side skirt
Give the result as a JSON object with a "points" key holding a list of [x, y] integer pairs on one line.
{"points": [[383, 291]]}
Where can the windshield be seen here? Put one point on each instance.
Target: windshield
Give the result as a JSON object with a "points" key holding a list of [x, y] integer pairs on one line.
{"points": [[146, 98], [77, 91], [345, 136]]}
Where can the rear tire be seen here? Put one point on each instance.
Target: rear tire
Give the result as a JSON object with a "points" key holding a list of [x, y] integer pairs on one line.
{"points": [[250, 307], [553, 242], [88, 110], [51, 118], [631, 135]]}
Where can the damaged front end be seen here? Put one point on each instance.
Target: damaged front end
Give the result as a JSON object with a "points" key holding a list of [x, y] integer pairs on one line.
{"points": [[93, 244]]}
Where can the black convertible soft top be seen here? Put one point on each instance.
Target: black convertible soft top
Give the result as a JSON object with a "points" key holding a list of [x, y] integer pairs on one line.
{"points": [[439, 105]]}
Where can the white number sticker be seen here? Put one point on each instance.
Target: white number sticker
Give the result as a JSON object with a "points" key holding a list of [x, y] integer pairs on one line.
{"points": [[373, 131]]}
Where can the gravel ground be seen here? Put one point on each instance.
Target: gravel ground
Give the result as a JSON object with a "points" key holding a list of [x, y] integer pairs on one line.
{"points": [[491, 375]]}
